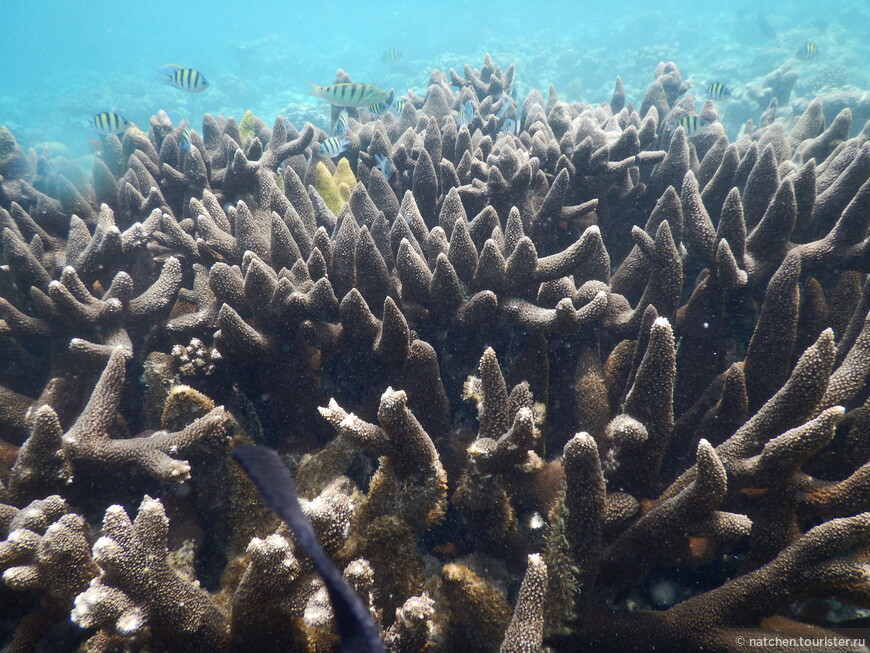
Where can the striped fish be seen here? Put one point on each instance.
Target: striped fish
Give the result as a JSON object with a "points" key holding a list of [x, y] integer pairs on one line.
{"points": [[718, 91], [184, 139], [109, 122], [807, 51], [691, 125], [393, 56], [466, 114], [378, 109], [186, 79], [340, 126], [382, 107], [333, 146], [350, 94]]}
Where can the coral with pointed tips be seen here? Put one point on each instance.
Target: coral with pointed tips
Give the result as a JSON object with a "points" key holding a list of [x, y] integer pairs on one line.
{"points": [[524, 634], [137, 591], [662, 336], [50, 456]]}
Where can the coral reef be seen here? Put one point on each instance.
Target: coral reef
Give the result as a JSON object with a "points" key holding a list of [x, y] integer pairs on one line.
{"points": [[589, 384]]}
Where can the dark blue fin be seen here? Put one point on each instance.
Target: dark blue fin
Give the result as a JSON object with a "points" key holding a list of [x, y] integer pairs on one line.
{"points": [[356, 630]]}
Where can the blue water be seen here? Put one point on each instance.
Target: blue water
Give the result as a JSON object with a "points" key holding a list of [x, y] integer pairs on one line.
{"points": [[61, 62]]}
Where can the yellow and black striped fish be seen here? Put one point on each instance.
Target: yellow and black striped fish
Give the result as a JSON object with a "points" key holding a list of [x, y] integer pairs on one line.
{"points": [[718, 91], [340, 126], [393, 56], [350, 94], [691, 125], [807, 51], [187, 79], [333, 146], [109, 122], [378, 108], [382, 107], [184, 139]]}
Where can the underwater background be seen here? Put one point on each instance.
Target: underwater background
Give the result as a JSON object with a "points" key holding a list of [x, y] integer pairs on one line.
{"points": [[63, 62]]}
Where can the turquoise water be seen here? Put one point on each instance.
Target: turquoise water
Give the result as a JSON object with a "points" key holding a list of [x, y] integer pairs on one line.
{"points": [[63, 62]]}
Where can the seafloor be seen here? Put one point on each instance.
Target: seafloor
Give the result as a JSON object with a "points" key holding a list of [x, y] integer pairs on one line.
{"points": [[580, 382]]}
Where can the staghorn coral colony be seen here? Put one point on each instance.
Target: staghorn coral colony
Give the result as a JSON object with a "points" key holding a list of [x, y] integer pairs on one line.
{"points": [[590, 384]]}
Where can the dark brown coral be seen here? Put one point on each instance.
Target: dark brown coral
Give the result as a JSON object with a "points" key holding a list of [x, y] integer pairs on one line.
{"points": [[595, 352]]}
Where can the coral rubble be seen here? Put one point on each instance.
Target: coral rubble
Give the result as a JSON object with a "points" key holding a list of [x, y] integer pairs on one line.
{"points": [[593, 383]]}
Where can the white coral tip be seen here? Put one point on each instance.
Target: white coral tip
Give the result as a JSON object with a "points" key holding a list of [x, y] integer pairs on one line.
{"points": [[130, 622]]}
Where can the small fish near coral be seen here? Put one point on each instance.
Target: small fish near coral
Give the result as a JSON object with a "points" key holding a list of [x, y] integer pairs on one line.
{"points": [[466, 114], [185, 79], [718, 91], [506, 104], [692, 125], [333, 146], [340, 126], [807, 51], [383, 164], [109, 122], [350, 94], [184, 141], [393, 56], [380, 108]]}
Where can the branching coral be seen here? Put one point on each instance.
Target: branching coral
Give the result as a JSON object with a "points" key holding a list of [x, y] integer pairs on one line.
{"points": [[46, 551], [596, 371], [138, 591], [50, 457]]}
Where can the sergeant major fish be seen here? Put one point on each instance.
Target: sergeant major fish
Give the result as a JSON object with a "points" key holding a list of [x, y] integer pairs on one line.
{"points": [[718, 91], [333, 146], [340, 126], [186, 79], [382, 107], [466, 114], [350, 94], [691, 125], [109, 122], [393, 55], [506, 104], [807, 51], [378, 109], [184, 140]]}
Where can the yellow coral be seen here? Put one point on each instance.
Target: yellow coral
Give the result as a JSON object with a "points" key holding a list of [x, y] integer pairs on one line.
{"points": [[326, 187], [246, 126], [344, 179], [334, 188]]}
